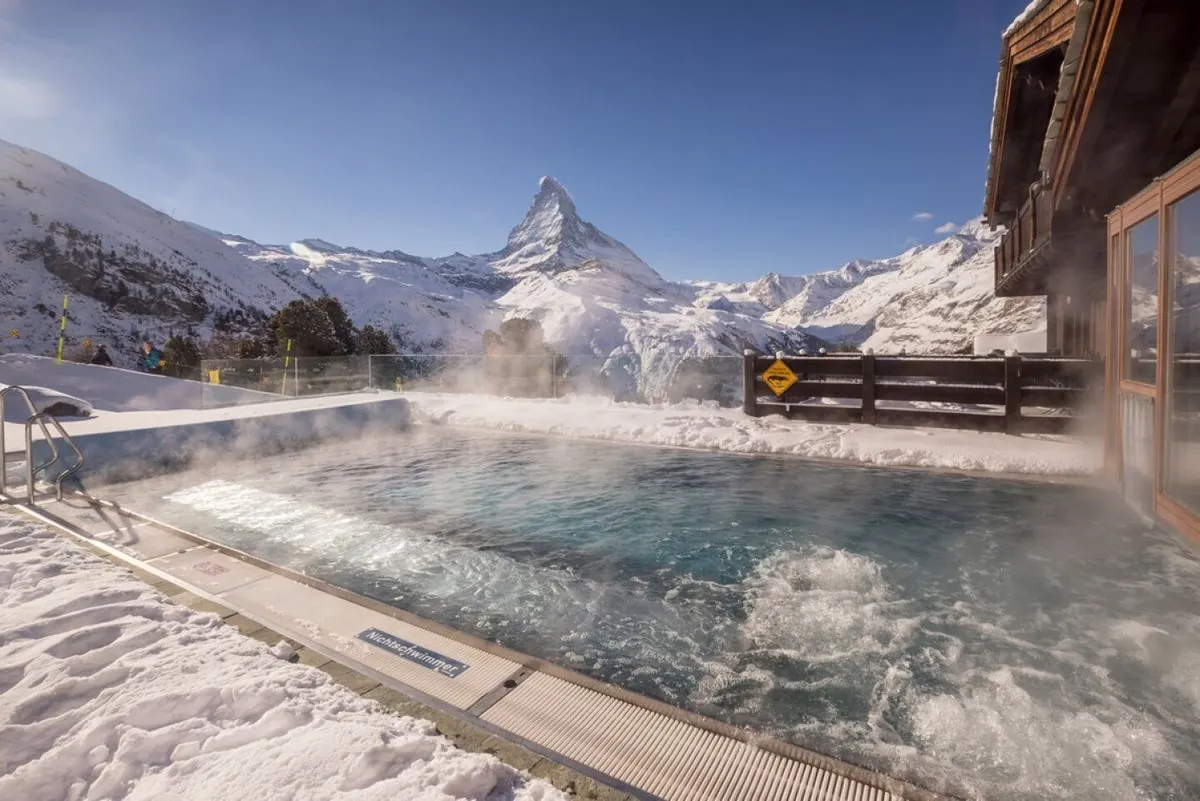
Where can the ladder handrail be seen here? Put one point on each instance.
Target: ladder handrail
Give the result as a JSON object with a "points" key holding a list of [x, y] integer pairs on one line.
{"points": [[23, 394], [62, 432], [32, 470]]}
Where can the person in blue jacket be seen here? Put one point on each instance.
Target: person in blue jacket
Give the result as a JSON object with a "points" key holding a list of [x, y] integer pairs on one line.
{"points": [[152, 361]]}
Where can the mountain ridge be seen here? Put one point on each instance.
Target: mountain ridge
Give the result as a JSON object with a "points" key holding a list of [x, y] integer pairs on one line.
{"points": [[134, 271]]}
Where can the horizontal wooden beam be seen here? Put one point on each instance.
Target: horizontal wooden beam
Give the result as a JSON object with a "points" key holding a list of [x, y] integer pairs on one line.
{"points": [[822, 389], [961, 370], [1052, 397], [940, 393], [1083, 371], [815, 365]]}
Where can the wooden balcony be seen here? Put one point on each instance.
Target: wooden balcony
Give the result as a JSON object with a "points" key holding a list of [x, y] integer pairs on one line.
{"points": [[1023, 245]]}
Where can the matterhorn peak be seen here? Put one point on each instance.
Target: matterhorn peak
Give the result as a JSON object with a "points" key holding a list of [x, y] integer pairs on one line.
{"points": [[551, 221], [553, 238]]}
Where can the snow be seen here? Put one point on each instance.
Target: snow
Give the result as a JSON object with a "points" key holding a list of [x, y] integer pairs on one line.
{"points": [[111, 389], [109, 691], [709, 427], [1034, 7]]}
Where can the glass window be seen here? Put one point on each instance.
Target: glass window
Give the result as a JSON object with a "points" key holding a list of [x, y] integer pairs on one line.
{"points": [[1182, 475], [1141, 302]]}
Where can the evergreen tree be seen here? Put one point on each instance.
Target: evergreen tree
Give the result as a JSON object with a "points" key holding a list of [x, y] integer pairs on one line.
{"points": [[306, 325], [374, 342], [343, 328]]}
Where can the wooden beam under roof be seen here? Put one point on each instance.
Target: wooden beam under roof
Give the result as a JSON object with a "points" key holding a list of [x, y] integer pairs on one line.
{"points": [[1051, 27], [1181, 107]]}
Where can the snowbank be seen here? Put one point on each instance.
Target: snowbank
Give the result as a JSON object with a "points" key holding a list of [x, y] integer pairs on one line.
{"points": [[709, 427], [60, 404], [111, 389], [109, 691], [1023, 342]]}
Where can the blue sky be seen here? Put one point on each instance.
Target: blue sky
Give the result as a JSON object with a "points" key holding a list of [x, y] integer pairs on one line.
{"points": [[717, 140]]}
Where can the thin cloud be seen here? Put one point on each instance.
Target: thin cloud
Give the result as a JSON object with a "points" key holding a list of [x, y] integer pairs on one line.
{"points": [[947, 228], [922, 216], [28, 98]]}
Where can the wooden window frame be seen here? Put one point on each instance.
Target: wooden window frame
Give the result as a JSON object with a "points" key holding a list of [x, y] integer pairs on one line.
{"points": [[1157, 198], [1145, 208]]}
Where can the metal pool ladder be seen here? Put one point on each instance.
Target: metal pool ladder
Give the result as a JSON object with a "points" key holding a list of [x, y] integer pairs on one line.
{"points": [[31, 470]]}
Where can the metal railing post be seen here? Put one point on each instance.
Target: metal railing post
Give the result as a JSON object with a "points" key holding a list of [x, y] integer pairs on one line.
{"points": [[749, 390]]}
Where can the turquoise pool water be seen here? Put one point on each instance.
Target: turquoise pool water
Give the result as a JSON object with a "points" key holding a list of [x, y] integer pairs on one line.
{"points": [[987, 637]]}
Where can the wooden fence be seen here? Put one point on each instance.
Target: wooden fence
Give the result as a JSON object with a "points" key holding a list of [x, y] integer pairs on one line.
{"points": [[1009, 394]]}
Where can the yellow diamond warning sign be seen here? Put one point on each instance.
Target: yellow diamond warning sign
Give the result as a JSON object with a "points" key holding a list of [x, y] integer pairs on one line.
{"points": [[779, 377]]}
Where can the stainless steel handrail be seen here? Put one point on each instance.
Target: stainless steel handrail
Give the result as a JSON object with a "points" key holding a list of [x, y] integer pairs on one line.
{"points": [[62, 432], [29, 472], [32, 470]]}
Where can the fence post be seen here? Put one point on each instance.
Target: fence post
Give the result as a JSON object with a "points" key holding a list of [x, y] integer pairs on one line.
{"points": [[370, 374], [749, 390], [1012, 394], [868, 388]]}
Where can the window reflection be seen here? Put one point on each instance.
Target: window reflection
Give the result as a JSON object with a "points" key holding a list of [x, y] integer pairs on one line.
{"points": [[1141, 303], [1183, 355]]}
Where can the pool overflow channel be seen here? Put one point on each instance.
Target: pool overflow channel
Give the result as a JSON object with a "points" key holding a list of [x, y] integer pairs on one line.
{"points": [[630, 743]]}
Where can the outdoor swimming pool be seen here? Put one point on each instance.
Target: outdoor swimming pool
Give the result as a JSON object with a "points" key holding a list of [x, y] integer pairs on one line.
{"points": [[1007, 638]]}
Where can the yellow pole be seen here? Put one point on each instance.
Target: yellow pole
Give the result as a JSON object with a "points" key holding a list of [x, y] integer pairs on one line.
{"points": [[286, 360], [62, 326]]}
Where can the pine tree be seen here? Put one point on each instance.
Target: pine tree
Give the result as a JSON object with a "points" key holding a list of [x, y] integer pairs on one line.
{"points": [[343, 328], [374, 342], [308, 328]]}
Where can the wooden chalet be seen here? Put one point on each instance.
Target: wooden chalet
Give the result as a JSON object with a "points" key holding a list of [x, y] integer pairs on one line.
{"points": [[1094, 173]]}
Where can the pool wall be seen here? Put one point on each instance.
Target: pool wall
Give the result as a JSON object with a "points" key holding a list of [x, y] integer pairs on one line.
{"points": [[112, 456]]}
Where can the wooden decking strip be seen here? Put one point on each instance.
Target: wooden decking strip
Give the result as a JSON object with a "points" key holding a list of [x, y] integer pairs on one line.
{"points": [[595, 741]]}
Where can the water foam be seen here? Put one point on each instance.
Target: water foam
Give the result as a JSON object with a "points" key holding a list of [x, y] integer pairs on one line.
{"points": [[534, 607], [960, 697], [821, 604]]}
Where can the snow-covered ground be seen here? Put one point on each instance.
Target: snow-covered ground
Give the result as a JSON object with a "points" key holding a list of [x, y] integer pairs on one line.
{"points": [[109, 691], [709, 427]]}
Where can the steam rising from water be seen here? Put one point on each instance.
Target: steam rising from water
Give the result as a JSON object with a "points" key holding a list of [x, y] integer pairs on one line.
{"points": [[909, 621]]}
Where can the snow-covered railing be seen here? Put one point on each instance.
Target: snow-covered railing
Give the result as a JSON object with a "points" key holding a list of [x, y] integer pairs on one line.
{"points": [[987, 394]]}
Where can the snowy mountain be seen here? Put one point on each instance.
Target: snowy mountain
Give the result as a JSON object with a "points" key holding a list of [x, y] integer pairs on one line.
{"points": [[131, 271], [932, 298], [597, 301], [134, 272]]}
